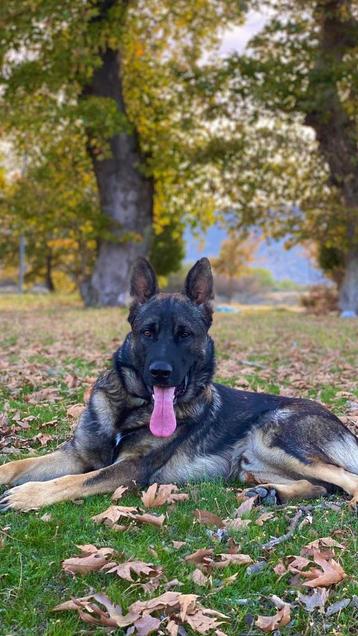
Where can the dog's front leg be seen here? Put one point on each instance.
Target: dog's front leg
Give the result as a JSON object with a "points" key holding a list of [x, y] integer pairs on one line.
{"points": [[35, 494], [63, 461]]}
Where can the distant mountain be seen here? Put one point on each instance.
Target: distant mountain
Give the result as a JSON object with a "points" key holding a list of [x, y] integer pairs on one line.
{"points": [[290, 264]]}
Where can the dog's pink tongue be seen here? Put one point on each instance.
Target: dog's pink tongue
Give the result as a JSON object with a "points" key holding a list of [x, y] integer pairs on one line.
{"points": [[162, 421]]}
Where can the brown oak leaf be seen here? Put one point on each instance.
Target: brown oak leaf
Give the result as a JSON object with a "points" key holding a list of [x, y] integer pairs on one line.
{"points": [[199, 555], [207, 518], [158, 495], [331, 572], [75, 410], [112, 514], [119, 492], [92, 559], [140, 568], [271, 623]]}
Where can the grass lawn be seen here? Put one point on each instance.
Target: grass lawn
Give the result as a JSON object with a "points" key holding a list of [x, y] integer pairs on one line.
{"points": [[56, 345]]}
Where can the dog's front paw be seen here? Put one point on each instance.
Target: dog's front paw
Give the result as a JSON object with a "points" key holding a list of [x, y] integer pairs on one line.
{"points": [[266, 495], [29, 496]]}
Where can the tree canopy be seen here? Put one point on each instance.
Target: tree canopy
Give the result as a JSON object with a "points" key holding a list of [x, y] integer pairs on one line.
{"points": [[285, 152], [49, 55]]}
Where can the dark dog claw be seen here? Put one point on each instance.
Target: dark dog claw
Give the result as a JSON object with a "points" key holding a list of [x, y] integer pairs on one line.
{"points": [[4, 505], [267, 496], [261, 492]]}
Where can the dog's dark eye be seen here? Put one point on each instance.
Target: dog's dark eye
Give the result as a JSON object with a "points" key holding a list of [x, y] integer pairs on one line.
{"points": [[184, 333]]}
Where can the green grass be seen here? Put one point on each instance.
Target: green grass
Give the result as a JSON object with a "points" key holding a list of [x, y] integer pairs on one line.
{"points": [[277, 351]]}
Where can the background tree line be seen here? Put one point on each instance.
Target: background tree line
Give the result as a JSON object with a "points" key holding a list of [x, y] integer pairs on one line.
{"points": [[133, 127]]}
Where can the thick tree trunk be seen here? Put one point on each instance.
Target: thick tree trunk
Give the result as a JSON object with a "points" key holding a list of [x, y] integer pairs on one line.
{"points": [[335, 130], [126, 197], [348, 296]]}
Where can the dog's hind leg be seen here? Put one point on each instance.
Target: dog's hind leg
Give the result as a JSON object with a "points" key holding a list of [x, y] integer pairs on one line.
{"points": [[300, 489], [333, 475], [282, 454]]}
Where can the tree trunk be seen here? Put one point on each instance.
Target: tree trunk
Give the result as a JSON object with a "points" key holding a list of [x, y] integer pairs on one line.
{"points": [[348, 293], [125, 193], [335, 130], [48, 279], [231, 289]]}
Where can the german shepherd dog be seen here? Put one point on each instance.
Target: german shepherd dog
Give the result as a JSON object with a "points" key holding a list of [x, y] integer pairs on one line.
{"points": [[156, 416]]}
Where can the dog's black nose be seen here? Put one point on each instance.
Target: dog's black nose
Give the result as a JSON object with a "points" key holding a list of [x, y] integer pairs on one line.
{"points": [[160, 370]]}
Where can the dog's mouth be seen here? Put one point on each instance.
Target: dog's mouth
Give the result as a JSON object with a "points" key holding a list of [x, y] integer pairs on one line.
{"points": [[181, 388], [163, 420]]}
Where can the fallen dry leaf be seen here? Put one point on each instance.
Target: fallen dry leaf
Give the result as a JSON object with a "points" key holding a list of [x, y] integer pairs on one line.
{"points": [[158, 495], [271, 623], [246, 506], [297, 564], [178, 544], [72, 381], [48, 394], [92, 560], [199, 555], [265, 516], [91, 613], [208, 518], [147, 625], [324, 542], [331, 573], [43, 438], [152, 584], [112, 514], [118, 494], [325, 545], [280, 619], [154, 520], [232, 559], [172, 628], [317, 599], [75, 410], [280, 569], [199, 578], [182, 609], [204, 558], [237, 524], [140, 568], [173, 583]]}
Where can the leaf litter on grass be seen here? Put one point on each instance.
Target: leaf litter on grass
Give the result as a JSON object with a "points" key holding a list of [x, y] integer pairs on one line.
{"points": [[174, 609], [301, 370], [109, 561]]}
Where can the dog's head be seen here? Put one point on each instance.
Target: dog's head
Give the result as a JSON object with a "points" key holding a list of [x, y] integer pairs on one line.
{"points": [[169, 348]]}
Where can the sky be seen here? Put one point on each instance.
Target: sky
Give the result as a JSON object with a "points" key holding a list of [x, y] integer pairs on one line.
{"points": [[236, 39]]}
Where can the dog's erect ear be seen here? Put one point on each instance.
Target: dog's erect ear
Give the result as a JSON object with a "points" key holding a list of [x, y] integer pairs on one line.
{"points": [[143, 281], [199, 284]]}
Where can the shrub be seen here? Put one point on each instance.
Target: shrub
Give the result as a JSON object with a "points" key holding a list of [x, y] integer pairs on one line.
{"points": [[321, 299]]}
